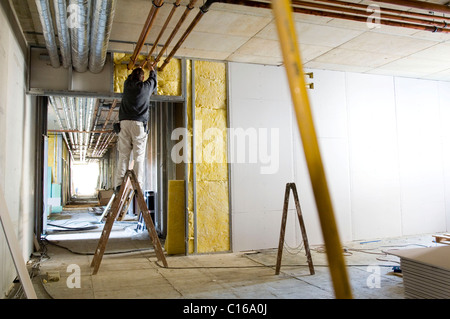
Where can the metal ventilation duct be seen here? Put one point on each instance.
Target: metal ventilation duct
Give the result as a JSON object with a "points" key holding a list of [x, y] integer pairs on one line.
{"points": [[80, 10], [102, 20], [49, 34], [60, 8]]}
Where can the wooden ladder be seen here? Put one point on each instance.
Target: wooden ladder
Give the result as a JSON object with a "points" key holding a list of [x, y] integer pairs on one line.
{"points": [[129, 186], [292, 186]]}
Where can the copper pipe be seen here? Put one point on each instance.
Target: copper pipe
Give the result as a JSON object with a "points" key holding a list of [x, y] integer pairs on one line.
{"points": [[182, 39], [336, 15], [188, 9], [145, 31], [357, 15], [427, 6], [367, 14], [385, 10], [108, 116], [203, 10], [169, 17]]}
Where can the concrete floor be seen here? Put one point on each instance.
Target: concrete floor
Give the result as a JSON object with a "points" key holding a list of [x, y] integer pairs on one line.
{"points": [[130, 270]]}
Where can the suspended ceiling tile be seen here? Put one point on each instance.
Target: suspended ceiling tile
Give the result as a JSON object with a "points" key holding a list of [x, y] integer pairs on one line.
{"points": [[324, 35], [355, 58], [213, 42], [260, 47], [434, 36], [336, 67], [440, 76], [440, 51], [223, 7], [387, 44], [310, 52], [301, 17], [126, 31], [269, 32], [387, 29], [232, 23], [348, 24], [135, 11], [238, 57], [414, 67], [202, 54]]}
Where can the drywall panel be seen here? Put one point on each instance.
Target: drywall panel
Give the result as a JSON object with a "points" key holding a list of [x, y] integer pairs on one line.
{"points": [[328, 104], [444, 111], [420, 156], [372, 133], [17, 118], [261, 154]]}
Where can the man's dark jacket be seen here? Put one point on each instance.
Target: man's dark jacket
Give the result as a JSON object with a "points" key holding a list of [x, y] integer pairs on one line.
{"points": [[136, 98]]}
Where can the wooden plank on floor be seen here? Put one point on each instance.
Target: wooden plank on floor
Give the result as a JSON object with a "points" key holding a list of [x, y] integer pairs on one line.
{"points": [[14, 248]]}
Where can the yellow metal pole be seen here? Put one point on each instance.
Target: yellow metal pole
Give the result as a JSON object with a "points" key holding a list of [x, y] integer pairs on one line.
{"points": [[291, 54]]}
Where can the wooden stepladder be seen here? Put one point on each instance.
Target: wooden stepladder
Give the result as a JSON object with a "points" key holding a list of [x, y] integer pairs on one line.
{"points": [[129, 186], [292, 186]]}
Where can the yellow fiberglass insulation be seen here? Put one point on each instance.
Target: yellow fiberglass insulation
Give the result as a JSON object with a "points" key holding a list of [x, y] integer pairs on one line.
{"points": [[175, 218], [213, 229], [169, 79]]}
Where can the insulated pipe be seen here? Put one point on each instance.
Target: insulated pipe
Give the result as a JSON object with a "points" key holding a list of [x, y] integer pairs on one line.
{"points": [[197, 18], [53, 103], [291, 55], [63, 101], [60, 8], [45, 16], [73, 119], [98, 108], [169, 17], [103, 16], [90, 111], [186, 12], [145, 31], [80, 33]]}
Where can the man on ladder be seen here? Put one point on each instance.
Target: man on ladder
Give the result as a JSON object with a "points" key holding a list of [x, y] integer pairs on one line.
{"points": [[133, 118]]}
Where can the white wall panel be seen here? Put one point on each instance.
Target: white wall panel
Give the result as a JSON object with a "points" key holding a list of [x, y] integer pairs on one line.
{"points": [[328, 104], [420, 155], [444, 113], [257, 196], [17, 150], [385, 145], [375, 183]]}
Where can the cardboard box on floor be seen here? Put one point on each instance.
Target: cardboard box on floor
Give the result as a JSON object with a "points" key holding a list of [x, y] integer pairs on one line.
{"points": [[104, 196]]}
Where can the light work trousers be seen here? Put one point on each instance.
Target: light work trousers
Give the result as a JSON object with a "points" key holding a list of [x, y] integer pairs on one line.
{"points": [[132, 140]]}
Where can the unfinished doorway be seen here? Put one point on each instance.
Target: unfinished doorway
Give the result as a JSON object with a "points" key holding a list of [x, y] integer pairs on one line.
{"points": [[85, 178], [164, 118]]}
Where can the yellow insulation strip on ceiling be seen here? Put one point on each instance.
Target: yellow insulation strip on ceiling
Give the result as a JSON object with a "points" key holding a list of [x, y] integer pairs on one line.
{"points": [[169, 79], [213, 229]]}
